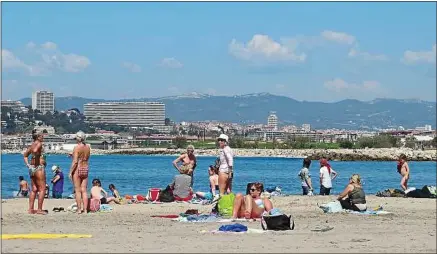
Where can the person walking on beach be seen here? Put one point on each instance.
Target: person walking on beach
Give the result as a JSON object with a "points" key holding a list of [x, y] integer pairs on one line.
{"points": [[79, 172], [189, 162], [327, 174], [23, 188], [226, 172], [305, 178], [36, 172], [404, 171], [58, 182]]}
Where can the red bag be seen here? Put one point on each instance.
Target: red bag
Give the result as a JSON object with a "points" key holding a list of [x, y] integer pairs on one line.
{"points": [[95, 205]]}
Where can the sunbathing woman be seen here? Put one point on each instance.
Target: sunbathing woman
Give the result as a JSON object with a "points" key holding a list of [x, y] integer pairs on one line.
{"points": [[251, 205], [36, 171], [213, 184], [353, 196]]}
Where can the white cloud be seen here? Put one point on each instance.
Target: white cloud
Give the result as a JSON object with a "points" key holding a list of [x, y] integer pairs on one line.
{"points": [[171, 62], [132, 67], [263, 48], [338, 37], [339, 85], [48, 58], [413, 57], [356, 53]]}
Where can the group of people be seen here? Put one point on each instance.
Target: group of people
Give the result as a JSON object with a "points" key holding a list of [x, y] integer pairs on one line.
{"points": [[220, 179]]}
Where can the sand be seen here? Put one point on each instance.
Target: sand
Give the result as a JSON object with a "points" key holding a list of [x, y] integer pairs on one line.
{"points": [[129, 228]]}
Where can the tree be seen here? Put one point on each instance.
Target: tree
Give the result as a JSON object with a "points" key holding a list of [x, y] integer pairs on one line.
{"points": [[180, 142], [346, 144]]}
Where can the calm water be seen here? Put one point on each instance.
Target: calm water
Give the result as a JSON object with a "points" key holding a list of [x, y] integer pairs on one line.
{"points": [[135, 174]]}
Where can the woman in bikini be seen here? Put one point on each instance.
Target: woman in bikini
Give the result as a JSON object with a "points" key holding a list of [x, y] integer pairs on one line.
{"points": [[79, 172], [36, 172], [251, 205], [213, 184]]}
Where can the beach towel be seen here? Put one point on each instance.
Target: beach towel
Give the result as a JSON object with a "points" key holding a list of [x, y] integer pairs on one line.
{"points": [[237, 227], [168, 216], [331, 207], [42, 236], [249, 231], [105, 208], [368, 212]]}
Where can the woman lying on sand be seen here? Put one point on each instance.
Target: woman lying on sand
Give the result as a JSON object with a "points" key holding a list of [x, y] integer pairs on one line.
{"points": [[251, 205], [353, 196]]}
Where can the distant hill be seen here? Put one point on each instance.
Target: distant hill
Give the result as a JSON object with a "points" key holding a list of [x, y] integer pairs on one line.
{"points": [[254, 108]]}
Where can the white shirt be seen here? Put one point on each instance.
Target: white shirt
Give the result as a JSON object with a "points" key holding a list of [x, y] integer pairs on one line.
{"points": [[326, 177], [226, 158]]}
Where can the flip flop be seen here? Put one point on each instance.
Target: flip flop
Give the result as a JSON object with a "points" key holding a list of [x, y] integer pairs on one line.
{"points": [[56, 209]]}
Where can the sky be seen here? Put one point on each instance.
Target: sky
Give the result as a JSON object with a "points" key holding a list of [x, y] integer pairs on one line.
{"points": [[313, 51]]}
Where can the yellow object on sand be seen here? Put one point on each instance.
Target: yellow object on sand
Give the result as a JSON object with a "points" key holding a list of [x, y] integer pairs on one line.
{"points": [[42, 236]]}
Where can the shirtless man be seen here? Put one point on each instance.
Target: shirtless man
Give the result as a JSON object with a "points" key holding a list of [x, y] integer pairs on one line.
{"points": [[404, 170], [23, 188], [189, 162], [79, 172], [36, 172]]}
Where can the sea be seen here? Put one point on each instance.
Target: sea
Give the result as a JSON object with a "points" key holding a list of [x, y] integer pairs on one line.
{"points": [[135, 174]]}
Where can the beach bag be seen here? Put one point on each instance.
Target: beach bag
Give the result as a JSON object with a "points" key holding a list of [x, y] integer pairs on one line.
{"points": [[277, 222], [226, 205], [332, 207], [153, 194], [166, 195], [95, 205]]}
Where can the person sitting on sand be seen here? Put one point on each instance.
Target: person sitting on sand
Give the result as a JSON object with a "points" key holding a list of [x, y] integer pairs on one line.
{"points": [[404, 171], [115, 193], [353, 196], [327, 174], [189, 162], [97, 192], [213, 184], [251, 205], [23, 189], [181, 186]]}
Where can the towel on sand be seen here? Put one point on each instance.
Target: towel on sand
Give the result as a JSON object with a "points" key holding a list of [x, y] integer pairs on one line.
{"points": [[237, 227]]}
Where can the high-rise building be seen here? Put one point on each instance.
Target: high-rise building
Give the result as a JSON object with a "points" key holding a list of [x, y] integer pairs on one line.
{"points": [[272, 121], [43, 101], [132, 114], [306, 127], [16, 106]]}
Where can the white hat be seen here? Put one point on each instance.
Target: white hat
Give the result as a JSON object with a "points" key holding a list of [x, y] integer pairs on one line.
{"points": [[54, 168], [80, 135], [224, 136]]}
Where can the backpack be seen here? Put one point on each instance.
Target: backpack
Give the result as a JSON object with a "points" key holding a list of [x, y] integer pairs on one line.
{"points": [[226, 205], [166, 195], [95, 205], [277, 222]]}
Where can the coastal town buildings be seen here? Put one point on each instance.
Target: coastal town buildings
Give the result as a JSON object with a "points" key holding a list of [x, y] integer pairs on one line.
{"points": [[272, 121], [15, 106], [131, 114], [43, 101]]}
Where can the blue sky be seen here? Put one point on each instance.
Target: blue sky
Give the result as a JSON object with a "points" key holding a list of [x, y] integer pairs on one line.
{"points": [[307, 51]]}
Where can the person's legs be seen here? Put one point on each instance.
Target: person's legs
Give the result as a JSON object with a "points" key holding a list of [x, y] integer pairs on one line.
{"points": [[229, 185], [32, 195], [40, 178], [328, 191], [305, 190], [404, 183], [223, 182], [322, 190], [78, 193], [250, 206], [238, 205], [84, 194]]}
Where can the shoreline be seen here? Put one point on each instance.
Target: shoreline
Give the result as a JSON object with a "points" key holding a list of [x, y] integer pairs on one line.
{"points": [[371, 154]]}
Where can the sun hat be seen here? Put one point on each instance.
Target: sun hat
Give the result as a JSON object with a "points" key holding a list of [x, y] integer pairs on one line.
{"points": [[224, 137], [54, 168]]}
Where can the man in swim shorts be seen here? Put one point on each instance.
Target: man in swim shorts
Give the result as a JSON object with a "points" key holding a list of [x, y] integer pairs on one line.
{"points": [[189, 163]]}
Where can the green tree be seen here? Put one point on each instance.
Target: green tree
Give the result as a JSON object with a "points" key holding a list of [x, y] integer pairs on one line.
{"points": [[345, 144], [180, 142]]}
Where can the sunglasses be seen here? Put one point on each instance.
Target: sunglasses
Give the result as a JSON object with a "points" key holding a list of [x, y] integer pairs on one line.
{"points": [[221, 139], [253, 190]]}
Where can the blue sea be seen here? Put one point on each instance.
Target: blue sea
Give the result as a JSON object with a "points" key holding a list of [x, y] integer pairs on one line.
{"points": [[135, 174]]}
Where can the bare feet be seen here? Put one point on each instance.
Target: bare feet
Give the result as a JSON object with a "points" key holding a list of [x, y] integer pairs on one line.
{"points": [[247, 214], [31, 211], [41, 212]]}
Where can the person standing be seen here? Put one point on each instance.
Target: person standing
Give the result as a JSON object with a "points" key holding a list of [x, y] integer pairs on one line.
{"points": [[327, 174], [58, 182], [305, 178], [79, 172], [404, 171], [226, 172], [36, 172]]}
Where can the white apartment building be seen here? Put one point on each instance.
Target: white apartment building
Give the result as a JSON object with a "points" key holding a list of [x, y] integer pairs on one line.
{"points": [[306, 127], [272, 121], [16, 106], [43, 101], [132, 114]]}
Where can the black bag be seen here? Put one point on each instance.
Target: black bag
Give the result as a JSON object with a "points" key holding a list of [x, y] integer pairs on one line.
{"points": [[279, 222], [166, 195]]}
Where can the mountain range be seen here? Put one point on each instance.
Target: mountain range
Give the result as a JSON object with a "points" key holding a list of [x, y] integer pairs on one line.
{"points": [[255, 108]]}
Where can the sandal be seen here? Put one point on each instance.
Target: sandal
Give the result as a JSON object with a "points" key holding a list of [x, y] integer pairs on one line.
{"points": [[56, 209]]}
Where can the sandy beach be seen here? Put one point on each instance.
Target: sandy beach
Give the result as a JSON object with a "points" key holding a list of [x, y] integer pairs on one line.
{"points": [[129, 228]]}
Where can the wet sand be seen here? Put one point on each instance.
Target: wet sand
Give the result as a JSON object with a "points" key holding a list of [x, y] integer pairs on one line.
{"points": [[129, 228]]}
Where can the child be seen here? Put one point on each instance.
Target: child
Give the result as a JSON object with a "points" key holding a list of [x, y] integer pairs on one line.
{"points": [[115, 193], [23, 190], [98, 193]]}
